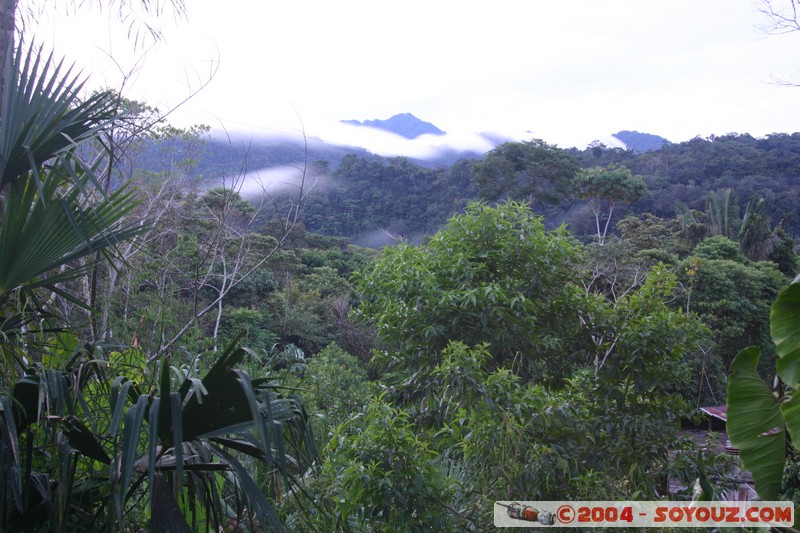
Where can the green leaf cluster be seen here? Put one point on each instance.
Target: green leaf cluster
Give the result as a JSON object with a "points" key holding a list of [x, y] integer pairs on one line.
{"points": [[492, 275], [389, 475], [531, 170], [508, 361]]}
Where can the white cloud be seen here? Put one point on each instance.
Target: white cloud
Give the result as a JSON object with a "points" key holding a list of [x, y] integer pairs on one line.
{"points": [[568, 71]]}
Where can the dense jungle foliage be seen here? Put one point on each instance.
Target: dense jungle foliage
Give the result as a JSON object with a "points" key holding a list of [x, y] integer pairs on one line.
{"points": [[181, 356]]}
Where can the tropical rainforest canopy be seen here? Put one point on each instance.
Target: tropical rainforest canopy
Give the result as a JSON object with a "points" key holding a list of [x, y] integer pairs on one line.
{"points": [[181, 355]]}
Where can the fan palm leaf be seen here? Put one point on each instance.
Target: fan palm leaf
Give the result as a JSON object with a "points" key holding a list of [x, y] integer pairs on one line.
{"points": [[48, 228], [53, 211], [43, 115]]}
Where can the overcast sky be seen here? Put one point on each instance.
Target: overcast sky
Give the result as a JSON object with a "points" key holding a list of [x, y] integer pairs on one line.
{"points": [[566, 72]]}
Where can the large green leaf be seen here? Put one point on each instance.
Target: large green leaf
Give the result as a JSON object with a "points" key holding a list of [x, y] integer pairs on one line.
{"points": [[224, 408], [785, 329], [756, 424], [130, 440], [83, 440], [26, 401], [791, 414], [166, 516]]}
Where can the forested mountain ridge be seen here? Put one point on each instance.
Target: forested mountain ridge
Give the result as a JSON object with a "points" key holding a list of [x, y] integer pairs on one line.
{"points": [[398, 196], [366, 197], [683, 174]]}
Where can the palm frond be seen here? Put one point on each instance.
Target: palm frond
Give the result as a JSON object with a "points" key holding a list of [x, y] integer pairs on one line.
{"points": [[45, 229], [166, 514], [42, 113]]}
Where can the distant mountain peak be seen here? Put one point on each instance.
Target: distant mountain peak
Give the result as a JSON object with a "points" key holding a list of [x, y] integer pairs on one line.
{"points": [[405, 124]]}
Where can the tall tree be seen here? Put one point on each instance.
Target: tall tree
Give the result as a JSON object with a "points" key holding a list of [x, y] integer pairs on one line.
{"points": [[533, 171], [730, 293], [607, 187], [493, 275], [722, 209]]}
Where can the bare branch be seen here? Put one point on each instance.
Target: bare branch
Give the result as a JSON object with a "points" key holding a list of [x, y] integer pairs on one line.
{"points": [[237, 270], [781, 14]]}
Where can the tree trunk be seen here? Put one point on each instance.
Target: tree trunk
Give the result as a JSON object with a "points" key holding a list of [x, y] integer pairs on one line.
{"points": [[222, 292], [8, 14], [608, 221], [112, 284]]}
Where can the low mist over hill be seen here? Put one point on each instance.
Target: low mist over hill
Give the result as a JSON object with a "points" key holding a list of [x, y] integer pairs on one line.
{"points": [[403, 135], [640, 142]]}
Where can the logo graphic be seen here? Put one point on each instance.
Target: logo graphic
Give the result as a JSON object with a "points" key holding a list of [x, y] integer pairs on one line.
{"points": [[642, 514], [529, 514], [566, 514]]}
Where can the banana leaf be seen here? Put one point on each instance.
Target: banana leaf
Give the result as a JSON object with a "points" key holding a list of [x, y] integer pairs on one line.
{"points": [[756, 424]]}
